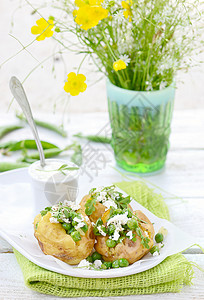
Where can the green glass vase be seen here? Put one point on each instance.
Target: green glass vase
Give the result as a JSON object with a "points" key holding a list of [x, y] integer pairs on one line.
{"points": [[141, 125]]}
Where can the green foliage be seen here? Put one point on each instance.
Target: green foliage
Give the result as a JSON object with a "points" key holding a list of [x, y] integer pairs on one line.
{"points": [[160, 39]]}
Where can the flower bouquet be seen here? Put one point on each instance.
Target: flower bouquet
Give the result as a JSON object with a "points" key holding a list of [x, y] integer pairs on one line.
{"points": [[139, 45]]}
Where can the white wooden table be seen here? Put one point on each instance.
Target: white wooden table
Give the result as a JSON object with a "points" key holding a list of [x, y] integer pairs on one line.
{"points": [[183, 177]]}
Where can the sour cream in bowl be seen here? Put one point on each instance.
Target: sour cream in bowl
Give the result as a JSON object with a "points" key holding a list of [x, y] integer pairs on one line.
{"points": [[55, 182]]}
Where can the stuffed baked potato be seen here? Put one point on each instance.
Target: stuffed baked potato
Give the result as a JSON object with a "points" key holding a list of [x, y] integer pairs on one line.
{"points": [[64, 233], [101, 199], [122, 234]]}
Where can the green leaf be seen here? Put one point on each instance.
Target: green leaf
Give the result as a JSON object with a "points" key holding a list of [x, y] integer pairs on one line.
{"points": [[66, 213], [90, 206]]}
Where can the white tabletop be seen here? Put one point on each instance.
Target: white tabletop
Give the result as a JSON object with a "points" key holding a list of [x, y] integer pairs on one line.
{"points": [[183, 176]]}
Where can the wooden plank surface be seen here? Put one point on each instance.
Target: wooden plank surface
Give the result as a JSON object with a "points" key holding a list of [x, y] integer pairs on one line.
{"points": [[183, 177]]}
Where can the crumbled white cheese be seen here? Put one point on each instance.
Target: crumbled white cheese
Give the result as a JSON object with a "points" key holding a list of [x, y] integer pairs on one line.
{"points": [[119, 220], [160, 245], [53, 220], [65, 220], [54, 207], [115, 236], [103, 194], [72, 205], [156, 253], [84, 264], [130, 234], [87, 218], [101, 231], [145, 233], [78, 220], [101, 198], [109, 203], [97, 263], [79, 225]]}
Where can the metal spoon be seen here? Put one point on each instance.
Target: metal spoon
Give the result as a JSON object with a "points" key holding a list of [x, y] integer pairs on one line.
{"points": [[20, 96]]}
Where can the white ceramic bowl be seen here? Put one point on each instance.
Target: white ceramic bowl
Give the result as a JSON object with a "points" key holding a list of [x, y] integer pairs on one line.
{"points": [[51, 186]]}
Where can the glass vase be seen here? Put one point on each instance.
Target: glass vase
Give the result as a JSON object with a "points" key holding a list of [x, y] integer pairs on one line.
{"points": [[141, 125]]}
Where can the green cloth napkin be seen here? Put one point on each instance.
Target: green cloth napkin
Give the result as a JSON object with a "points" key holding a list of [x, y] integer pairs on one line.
{"points": [[168, 276]]}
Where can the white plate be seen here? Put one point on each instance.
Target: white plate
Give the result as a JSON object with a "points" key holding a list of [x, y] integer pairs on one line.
{"points": [[16, 226]]}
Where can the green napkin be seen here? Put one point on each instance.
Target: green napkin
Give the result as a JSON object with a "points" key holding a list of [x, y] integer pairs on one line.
{"points": [[168, 276]]}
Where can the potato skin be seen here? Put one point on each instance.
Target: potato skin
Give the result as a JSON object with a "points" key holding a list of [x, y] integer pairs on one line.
{"points": [[128, 249], [100, 209], [53, 240]]}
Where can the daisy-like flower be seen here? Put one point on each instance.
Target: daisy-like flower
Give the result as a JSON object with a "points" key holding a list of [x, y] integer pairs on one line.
{"points": [[43, 29], [75, 84], [127, 9], [125, 58], [119, 65], [118, 16]]}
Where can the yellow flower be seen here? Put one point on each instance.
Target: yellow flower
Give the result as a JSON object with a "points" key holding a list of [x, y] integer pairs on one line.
{"points": [[80, 3], [119, 65], [43, 28], [75, 84], [127, 12], [89, 16]]}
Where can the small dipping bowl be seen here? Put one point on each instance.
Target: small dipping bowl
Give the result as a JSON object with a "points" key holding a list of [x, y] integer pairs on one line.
{"points": [[51, 185]]}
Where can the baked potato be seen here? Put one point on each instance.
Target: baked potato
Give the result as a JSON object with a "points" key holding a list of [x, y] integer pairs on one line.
{"points": [[131, 244], [101, 199], [70, 245]]}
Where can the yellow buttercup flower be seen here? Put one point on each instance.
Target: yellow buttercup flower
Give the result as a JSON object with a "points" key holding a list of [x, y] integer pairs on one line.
{"points": [[119, 65], [43, 28], [127, 12], [89, 16], [75, 84], [80, 3]]}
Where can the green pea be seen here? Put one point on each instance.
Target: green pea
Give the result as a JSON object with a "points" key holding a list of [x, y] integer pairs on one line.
{"points": [[66, 226], [159, 237], [103, 267], [74, 223], [123, 262], [115, 264], [71, 230], [154, 249], [85, 228], [96, 256], [111, 229], [110, 243], [132, 224], [108, 264], [76, 236], [89, 259]]}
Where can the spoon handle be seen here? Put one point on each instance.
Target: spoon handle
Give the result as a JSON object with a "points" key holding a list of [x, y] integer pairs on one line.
{"points": [[20, 96]]}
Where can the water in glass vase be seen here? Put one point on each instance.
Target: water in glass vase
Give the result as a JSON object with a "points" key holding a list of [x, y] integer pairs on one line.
{"points": [[140, 123]]}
